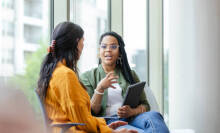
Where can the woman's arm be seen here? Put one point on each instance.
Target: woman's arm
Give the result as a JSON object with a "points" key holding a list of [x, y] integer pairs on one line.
{"points": [[96, 98], [99, 91], [74, 101]]}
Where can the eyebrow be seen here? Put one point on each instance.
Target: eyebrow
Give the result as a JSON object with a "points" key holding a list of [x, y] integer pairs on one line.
{"points": [[110, 43]]}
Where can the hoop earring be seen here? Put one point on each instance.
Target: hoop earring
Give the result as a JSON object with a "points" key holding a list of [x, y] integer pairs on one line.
{"points": [[100, 61], [119, 61]]}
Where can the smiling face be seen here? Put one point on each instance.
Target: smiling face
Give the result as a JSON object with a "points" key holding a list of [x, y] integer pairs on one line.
{"points": [[109, 50]]}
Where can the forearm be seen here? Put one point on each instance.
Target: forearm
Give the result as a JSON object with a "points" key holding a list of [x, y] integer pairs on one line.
{"points": [[96, 100]]}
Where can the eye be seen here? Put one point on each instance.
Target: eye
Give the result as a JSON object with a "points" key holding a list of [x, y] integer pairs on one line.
{"points": [[103, 46], [114, 46]]}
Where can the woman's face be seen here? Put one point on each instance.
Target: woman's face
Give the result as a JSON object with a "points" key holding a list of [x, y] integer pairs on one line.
{"points": [[80, 46], [109, 50]]}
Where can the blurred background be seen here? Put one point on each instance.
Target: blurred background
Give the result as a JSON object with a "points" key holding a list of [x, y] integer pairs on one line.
{"points": [[171, 44]]}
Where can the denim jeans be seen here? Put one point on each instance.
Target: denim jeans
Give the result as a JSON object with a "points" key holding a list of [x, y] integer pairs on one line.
{"points": [[148, 122]]}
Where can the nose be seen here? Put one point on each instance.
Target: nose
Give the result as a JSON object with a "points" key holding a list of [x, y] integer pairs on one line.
{"points": [[108, 48]]}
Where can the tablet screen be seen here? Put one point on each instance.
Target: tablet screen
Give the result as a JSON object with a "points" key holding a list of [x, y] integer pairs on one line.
{"points": [[133, 94]]}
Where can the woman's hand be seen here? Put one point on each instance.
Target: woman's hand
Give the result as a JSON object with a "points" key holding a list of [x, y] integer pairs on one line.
{"points": [[123, 130], [126, 111], [106, 82], [117, 124]]}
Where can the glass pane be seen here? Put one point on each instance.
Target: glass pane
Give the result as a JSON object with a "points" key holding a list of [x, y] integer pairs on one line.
{"points": [[92, 16], [134, 27], [31, 8], [165, 65], [22, 23], [32, 33]]}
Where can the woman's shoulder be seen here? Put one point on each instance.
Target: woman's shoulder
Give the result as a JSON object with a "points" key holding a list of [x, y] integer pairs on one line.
{"points": [[90, 73], [133, 72], [135, 76], [63, 71]]}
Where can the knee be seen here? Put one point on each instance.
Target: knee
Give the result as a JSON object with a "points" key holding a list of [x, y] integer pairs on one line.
{"points": [[152, 115], [154, 121]]}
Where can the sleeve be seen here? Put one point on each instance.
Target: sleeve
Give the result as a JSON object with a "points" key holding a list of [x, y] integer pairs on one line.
{"points": [[84, 78], [75, 103], [88, 83], [143, 99]]}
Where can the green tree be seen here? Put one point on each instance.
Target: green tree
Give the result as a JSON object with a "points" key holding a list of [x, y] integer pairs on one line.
{"points": [[28, 82]]}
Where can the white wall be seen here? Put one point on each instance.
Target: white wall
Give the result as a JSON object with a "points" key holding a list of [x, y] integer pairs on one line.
{"points": [[193, 34]]}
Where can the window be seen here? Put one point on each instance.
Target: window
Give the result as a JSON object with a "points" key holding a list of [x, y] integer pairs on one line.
{"points": [[165, 64], [27, 55], [8, 28], [15, 35], [166, 82], [32, 8], [8, 4], [92, 16], [7, 56], [32, 33], [134, 27]]}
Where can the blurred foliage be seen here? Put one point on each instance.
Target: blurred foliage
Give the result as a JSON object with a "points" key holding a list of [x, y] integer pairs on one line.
{"points": [[28, 82]]}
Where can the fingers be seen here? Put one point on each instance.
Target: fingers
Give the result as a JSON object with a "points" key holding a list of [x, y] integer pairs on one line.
{"points": [[112, 82], [123, 130], [112, 86], [122, 114], [108, 81], [120, 123], [117, 124], [132, 131], [113, 78], [121, 111], [109, 74], [124, 111], [125, 107]]}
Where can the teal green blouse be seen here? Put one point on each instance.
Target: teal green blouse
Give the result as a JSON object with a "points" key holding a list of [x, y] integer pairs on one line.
{"points": [[91, 78]]}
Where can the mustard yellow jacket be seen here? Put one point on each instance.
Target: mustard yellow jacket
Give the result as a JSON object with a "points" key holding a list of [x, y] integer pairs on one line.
{"points": [[67, 101]]}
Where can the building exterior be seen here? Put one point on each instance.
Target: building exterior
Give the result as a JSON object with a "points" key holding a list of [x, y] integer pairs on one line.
{"points": [[23, 26]]}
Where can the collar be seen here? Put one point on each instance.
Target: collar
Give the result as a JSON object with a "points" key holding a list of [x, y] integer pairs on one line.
{"points": [[101, 70]]}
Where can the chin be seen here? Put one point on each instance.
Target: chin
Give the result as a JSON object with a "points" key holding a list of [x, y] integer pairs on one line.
{"points": [[109, 63]]}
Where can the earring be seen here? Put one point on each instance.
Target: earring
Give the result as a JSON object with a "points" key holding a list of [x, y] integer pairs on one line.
{"points": [[119, 61], [100, 61]]}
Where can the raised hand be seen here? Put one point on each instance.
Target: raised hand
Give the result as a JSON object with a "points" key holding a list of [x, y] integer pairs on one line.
{"points": [[106, 82]]}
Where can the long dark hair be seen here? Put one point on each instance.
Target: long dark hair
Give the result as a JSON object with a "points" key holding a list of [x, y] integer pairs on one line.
{"points": [[66, 36], [125, 67]]}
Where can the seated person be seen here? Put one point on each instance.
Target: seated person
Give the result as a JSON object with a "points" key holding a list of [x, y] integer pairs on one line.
{"points": [[107, 86], [66, 99]]}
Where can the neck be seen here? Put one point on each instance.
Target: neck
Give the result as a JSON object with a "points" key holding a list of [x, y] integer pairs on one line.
{"points": [[108, 68]]}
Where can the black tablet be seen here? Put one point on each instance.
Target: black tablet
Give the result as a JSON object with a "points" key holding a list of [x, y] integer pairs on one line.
{"points": [[133, 93]]}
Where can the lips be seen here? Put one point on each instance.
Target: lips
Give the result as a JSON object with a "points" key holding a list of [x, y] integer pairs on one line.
{"points": [[108, 57]]}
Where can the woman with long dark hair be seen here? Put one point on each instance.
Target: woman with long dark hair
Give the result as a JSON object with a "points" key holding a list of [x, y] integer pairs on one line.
{"points": [[65, 98], [107, 84]]}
